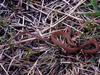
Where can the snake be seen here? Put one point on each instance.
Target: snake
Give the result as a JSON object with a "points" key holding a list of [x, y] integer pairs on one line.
{"points": [[71, 46]]}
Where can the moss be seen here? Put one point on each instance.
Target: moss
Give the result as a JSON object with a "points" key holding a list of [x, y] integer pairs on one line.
{"points": [[31, 55], [3, 22], [89, 26]]}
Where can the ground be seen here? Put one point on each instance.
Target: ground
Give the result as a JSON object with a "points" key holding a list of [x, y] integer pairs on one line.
{"points": [[27, 30]]}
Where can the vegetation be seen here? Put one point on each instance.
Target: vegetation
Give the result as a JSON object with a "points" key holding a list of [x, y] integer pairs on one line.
{"points": [[26, 27]]}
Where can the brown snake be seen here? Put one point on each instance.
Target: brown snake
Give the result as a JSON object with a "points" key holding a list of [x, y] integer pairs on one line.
{"points": [[70, 46]]}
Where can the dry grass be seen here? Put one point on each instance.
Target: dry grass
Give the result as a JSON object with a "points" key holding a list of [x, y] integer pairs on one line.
{"points": [[25, 29]]}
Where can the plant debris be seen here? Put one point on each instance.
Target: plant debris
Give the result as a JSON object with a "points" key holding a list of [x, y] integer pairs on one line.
{"points": [[29, 29]]}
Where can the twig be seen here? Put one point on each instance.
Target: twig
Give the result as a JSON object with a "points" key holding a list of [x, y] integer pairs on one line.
{"points": [[4, 69]]}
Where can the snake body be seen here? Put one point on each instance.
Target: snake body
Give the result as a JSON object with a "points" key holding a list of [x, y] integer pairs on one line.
{"points": [[70, 46]]}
